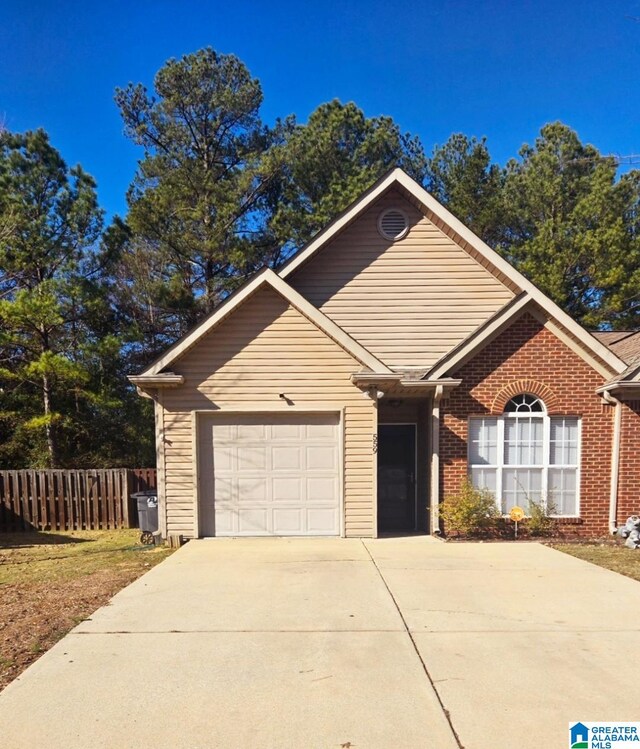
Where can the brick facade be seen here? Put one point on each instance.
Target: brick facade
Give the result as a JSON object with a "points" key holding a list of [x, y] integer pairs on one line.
{"points": [[529, 358], [629, 476]]}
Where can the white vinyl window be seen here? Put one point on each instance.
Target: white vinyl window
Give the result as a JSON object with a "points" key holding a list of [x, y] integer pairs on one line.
{"points": [[526, 454]]}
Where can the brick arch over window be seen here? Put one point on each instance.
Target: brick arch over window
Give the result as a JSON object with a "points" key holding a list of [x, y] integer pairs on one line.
{"points": [[533, 387]]}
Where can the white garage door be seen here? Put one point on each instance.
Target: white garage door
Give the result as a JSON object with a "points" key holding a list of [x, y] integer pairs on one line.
{"points": [[270, 475]]}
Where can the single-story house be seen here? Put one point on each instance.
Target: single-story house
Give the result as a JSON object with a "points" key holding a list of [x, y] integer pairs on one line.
{"points": [[396, 354]]}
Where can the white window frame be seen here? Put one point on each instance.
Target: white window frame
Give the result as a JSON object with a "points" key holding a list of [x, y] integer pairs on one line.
{"points": [[546, 466]]}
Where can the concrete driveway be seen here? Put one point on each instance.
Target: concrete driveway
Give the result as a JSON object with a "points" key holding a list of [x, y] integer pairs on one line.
{"points": [[313, 644]]}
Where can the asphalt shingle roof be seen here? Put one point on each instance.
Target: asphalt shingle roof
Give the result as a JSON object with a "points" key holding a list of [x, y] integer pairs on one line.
{"points": [[623, 343]]}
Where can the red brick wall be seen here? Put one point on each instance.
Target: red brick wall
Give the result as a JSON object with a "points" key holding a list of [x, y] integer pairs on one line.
{"points": [[629, 477], [529, 358]]}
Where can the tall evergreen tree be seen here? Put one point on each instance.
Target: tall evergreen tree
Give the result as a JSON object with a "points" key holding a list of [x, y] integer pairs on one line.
{"points": [[63, 395], [330, 161], [198, 192], [218, 194], [49, 217], [461, 176], [569, 227]]}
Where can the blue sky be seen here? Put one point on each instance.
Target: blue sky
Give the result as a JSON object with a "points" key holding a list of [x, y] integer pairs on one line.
{"points": [[495, 68]]}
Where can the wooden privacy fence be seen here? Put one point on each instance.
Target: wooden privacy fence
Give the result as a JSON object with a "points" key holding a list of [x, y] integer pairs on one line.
{"points": [[61, 500]]}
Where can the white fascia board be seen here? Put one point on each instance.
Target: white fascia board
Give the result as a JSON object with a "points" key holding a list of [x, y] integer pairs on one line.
{"points": [[166, 379], [376, 377], [447, 383], [267, 277]]}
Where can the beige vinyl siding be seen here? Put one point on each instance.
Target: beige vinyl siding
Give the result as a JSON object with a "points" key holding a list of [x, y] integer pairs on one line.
{"points": [[266, 347], [408, 302]]}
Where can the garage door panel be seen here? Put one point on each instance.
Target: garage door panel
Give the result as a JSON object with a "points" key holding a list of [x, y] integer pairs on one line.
{"points": [[321, 458], [224, 522], [286, 432], [322, 521], [288, 521], [226, 433], [287, 489], [253, 521], [250, 489], [224, 492], [287, 458], [270, 474], [322, 489], [249, 432], [251, 457], [320, 432], [224, 457]]}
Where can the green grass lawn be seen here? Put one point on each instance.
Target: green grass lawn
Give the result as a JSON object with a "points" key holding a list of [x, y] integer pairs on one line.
{"points": [[614, 557], [49, 582]]}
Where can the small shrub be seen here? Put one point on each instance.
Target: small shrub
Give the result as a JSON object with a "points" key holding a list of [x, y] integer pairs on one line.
{"points": [[539, 521], [470, 511]]}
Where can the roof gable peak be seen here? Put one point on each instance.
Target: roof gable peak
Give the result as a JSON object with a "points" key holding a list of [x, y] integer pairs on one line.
{"points": [[266, 277], [469, 241]]}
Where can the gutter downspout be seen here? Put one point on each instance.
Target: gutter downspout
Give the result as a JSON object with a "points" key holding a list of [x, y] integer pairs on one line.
{"points": [[435, 461], [615, 459]]}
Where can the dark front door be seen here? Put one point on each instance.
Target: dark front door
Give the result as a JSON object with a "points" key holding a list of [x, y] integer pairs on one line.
{"points": [[396, 477]]}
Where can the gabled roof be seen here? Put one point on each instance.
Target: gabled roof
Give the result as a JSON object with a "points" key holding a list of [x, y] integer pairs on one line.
{"points": [[469, 241], [480, 337], [265, 277]]}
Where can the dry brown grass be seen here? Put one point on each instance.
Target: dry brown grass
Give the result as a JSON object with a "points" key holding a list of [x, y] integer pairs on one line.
{"points": [[49, 582], [614, 557]]}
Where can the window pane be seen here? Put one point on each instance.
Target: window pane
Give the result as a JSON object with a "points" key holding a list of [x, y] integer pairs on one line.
{"points": [[538, 442], [510, 441], [564, 441], [523, 439], [563, 490], [514, 441], [484, 478], [524, 403], [483, 441], [519, 485]]}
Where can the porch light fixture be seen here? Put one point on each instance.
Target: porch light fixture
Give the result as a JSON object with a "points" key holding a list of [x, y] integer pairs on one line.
{"points": [[373, 393]]}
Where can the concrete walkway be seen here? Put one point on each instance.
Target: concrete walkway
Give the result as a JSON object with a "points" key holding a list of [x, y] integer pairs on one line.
{"points": [[312, 644]]}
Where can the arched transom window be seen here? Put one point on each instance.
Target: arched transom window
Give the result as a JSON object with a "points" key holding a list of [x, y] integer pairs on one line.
{"points": [[525, 454], [524, 404]]}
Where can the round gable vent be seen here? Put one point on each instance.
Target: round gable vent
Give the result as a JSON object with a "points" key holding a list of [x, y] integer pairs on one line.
{"points": [[393, 224]]}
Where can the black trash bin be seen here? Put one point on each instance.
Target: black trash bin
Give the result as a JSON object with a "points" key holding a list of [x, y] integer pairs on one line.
{"points": [[147, 502]]}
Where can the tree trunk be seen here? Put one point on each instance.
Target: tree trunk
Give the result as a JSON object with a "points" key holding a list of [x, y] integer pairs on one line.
{"points": [[52, 444]]}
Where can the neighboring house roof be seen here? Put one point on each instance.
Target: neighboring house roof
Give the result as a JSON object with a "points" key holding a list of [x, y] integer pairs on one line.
{"points": [[154, 375], [624, 343], [627, 382], [471, 243]]}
